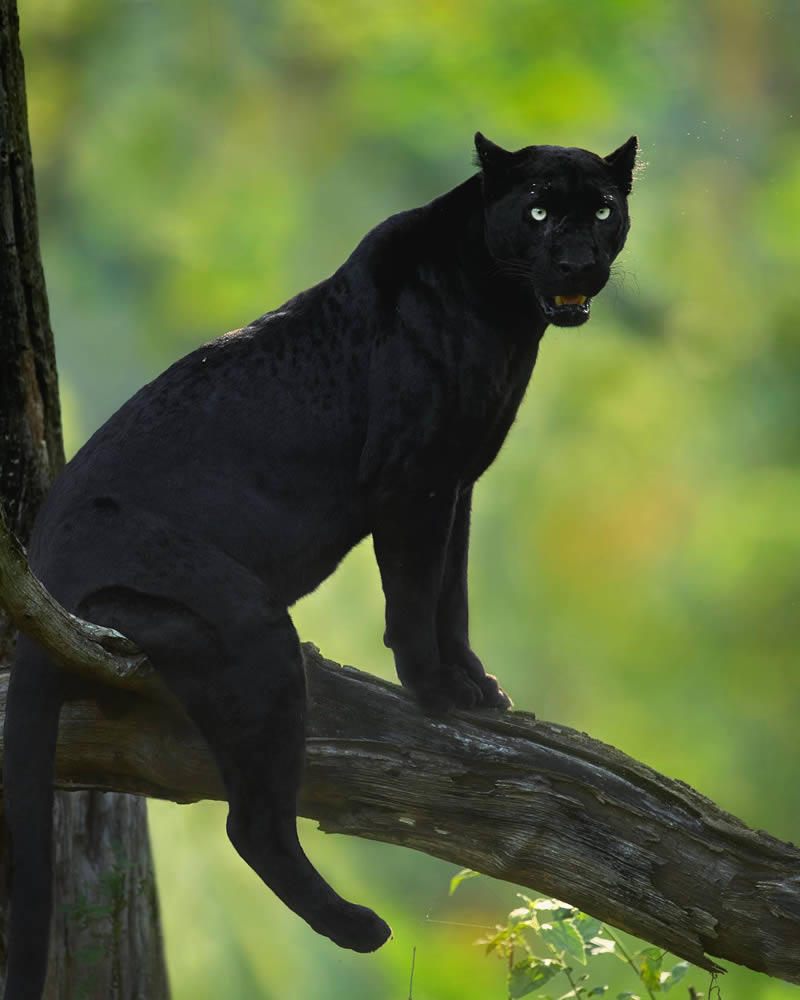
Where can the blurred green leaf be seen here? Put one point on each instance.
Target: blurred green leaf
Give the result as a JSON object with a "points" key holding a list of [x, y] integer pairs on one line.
{"points": [[674, 976], [648, 963], [497, 940], [464, 875]]}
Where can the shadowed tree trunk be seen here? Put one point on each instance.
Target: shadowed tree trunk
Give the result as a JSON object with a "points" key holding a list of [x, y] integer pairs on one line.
{"points": [[106, 936]]}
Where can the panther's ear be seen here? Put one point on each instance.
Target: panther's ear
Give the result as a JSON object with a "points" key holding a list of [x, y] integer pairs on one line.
{"points": [[491, 156], [622, 162]]}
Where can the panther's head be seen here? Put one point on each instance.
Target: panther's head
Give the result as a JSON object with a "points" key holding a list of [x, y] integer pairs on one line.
{"points": [[555, 219]]}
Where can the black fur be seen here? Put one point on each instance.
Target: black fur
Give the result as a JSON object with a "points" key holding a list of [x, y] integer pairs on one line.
{"points": [[236, 481]]}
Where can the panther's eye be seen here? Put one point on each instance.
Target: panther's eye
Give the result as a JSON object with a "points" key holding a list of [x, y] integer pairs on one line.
{"points": [[603, 212], [539, 213]]}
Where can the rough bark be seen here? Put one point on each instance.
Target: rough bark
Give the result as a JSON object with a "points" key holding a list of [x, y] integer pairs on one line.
{"points": [[31, 449], [526, 801], [102, 852]]}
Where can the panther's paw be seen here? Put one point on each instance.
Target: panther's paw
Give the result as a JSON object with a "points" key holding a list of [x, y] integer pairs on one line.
{"points": [[457, 688], [493, 695], [357, 928]]}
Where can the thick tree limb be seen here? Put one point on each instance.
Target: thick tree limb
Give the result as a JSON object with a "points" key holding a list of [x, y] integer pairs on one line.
{"points": [[526, 801], [93, 651]]}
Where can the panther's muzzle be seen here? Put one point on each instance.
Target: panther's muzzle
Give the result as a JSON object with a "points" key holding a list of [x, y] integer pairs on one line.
{"points": [[565, 310]]}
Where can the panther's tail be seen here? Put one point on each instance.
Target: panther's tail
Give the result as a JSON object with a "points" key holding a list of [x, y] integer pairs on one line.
{"points": [[31, 728]]}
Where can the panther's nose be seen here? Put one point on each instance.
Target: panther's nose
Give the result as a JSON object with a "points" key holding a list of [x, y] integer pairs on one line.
{"points": [[571, 266]]}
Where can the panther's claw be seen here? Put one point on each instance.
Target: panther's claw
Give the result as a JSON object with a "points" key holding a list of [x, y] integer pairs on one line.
{"points": [[456, 689]]}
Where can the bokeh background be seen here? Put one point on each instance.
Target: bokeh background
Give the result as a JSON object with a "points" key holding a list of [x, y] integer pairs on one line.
{"points": [[635, 566]]}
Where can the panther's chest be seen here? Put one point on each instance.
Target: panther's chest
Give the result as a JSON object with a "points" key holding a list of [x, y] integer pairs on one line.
{"points": [[458, 435]]}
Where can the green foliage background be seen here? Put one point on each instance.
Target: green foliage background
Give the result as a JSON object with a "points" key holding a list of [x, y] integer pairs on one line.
{"points": [[636, 556]]}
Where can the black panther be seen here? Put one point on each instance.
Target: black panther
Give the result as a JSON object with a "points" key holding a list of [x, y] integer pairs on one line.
{"points": [[237, 480]]}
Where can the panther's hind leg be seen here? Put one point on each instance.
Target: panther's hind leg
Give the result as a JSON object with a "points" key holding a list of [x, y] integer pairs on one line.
{"points": [[242, 682]]}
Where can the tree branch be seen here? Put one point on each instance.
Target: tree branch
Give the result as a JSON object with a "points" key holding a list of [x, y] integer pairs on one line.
{"points": [[77, 645], [526, 801]]}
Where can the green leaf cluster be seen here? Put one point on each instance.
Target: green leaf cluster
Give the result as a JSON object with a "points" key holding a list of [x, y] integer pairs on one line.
{"points": [[545, 938]]}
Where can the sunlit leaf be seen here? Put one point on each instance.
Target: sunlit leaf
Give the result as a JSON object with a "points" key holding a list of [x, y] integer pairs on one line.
{"points": [[496, 940], [553, 910], [532, 974], [602, 946], [563, 938], [588, 927]]}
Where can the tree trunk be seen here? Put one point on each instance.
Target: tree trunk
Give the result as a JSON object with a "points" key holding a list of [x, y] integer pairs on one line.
{"points": [[106, 933]]}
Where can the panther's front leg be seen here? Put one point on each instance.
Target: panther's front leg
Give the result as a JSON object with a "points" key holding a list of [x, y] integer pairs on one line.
{"points": [[453, 613], [410, 535], [412, 538]]}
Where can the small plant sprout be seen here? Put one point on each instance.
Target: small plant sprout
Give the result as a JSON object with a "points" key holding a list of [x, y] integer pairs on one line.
{"points": [[545, 939]]}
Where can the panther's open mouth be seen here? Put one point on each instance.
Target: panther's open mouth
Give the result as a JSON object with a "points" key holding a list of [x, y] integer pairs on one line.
{"points": [[565, 310]]}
